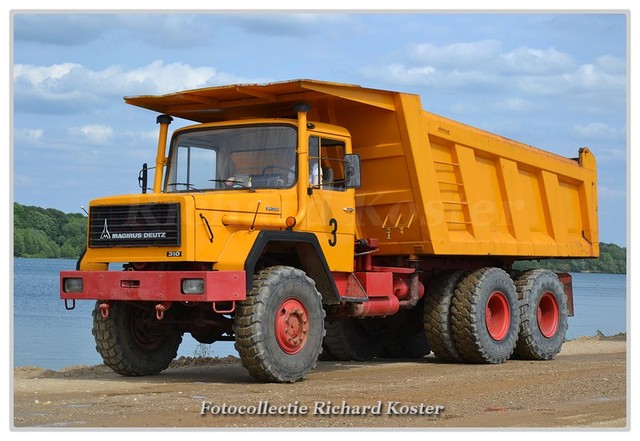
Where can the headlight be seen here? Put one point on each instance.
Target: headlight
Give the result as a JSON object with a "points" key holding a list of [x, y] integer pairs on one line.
{"points": [[72, 285], [192, 286]]}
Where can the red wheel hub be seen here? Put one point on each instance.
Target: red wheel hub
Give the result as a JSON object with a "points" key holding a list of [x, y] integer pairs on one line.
{"points": [[292, 326], [498, 316], [548, 315]]}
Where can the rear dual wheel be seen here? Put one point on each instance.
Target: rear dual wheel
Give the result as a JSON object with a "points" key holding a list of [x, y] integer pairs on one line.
{"points": [[354, 339], [485, 316], [362, 339], [437, 316], [543, 315]]}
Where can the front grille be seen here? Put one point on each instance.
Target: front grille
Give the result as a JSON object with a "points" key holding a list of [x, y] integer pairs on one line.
{"points": [[134, 225]]}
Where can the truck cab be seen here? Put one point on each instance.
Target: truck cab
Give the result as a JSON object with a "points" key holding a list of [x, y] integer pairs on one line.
{"points": [[248, 176], [229, 200]]}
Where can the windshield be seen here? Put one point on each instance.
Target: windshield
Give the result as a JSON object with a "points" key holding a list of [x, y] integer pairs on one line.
{"points": [[232, 158]]}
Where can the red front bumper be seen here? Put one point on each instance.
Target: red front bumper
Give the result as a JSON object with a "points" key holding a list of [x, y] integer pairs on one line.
{"points": [[155, 286]]}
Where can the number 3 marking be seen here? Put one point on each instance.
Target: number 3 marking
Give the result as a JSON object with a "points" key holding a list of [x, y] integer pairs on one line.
{"points": [[334, 237]]}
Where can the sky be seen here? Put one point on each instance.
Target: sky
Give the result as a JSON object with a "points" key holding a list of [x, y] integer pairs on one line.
{"points": [[557, 81]]}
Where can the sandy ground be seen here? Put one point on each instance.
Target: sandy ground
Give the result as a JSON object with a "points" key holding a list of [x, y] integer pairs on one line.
{"points": [[584, 387]]}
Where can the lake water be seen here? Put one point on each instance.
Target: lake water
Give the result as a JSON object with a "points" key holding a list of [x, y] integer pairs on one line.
{"points": [[45, 334]]}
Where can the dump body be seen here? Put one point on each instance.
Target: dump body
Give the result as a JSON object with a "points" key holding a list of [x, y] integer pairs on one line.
{"points": [[440, 187], [430, 185]]}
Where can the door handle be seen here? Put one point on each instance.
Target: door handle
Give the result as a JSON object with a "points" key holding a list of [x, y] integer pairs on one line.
{"points": [[348, 210]]}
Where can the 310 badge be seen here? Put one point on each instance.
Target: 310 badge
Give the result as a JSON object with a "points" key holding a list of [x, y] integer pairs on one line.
{"points": [[174, 253]]}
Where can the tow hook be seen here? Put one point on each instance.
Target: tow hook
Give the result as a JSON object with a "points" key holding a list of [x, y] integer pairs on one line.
{"points": [[161, 308], [104, 310]]}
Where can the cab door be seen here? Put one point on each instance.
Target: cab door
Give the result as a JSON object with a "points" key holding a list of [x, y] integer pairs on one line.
{"points": [[331, 208]]}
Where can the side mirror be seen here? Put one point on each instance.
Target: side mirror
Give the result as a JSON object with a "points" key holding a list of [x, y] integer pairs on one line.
{"points": [[352, 171]]}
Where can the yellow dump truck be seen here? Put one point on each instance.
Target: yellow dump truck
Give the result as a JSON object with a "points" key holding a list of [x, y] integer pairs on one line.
{"points": [[307, 219]]}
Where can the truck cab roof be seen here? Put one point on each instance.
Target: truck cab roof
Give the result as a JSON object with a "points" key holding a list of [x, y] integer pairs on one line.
{"points": [[271, 100]]}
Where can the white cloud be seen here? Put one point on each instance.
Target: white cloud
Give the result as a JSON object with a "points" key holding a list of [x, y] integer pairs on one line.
{"points": [[178, 30], [299, 25], [93, 133], [583, 81], [142, 136], [486, 67], [35, 134], [488, 56], [611, 154], [611, 193], [610, 64], [598, 130], [71, 87], [158, 77], [457, 54], [49, 89], [514, 104], [529, 61], [61, 29], [76, 30], [30, 136], [37, 75], [25, 181], [591, 76], [401, 74]]}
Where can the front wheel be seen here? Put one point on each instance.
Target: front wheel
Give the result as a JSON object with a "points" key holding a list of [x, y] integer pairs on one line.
{"points": [[132, 341], [280, 326]]}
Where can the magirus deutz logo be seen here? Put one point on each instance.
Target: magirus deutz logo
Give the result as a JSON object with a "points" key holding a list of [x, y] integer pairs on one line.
{"points": [[107, 235], [105, 232]]}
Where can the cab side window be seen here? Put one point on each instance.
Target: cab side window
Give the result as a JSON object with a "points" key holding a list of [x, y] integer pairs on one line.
{"points": [[326, 163]]}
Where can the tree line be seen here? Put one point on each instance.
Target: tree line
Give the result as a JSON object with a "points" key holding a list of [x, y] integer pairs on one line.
{"points": [[47, 232], [50, 233], [613, 260]]}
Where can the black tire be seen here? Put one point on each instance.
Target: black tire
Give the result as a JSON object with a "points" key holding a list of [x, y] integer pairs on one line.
{"points": [[79, 261], [483, 336], [403, 335], [326, 354], [353, 339], [437, 315], [282, 298], [132, 341], [543, 315], [405, 345]]}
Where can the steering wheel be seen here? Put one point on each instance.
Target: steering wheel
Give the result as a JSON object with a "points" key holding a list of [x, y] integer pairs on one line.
{"points": [[185, 184], [276, 167]]}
